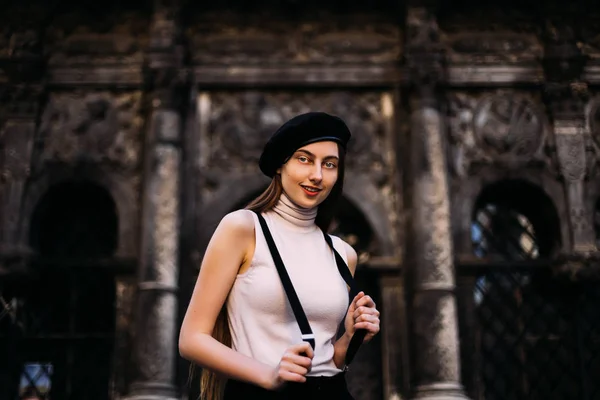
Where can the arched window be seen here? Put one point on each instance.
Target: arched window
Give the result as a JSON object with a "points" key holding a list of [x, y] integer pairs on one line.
{"points": [[519, 322], [513, 221], [75, 219], [57, 341]]}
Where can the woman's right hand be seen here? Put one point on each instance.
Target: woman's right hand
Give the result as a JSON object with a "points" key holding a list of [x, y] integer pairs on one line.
{"points": [[294, 365]]}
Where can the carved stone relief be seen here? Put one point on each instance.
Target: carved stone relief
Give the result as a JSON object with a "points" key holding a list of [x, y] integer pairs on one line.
{"points": [[593, 117], [254, 41], [234, 126], [95, 127], [239, 124], [592, 140], [504, 128]]}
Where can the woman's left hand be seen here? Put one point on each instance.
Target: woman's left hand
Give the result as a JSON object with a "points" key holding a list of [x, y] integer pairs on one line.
{"points": [[362, 314]]}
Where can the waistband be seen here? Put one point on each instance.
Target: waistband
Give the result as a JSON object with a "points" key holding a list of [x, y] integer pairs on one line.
{"points": [[312, 383], [321, 382]]}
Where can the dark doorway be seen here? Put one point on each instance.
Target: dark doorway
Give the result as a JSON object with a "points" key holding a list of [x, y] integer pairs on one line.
{"points": [[57, 337]]}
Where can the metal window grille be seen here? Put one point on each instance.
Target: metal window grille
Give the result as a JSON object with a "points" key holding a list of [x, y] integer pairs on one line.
{"points": [[526, 333]]}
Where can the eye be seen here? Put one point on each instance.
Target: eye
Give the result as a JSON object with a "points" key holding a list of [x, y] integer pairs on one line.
{"points": [[303, 159], [330, 164]]}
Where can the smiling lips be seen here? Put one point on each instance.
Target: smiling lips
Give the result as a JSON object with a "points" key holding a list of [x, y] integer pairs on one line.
{"points": [[311, 191]]}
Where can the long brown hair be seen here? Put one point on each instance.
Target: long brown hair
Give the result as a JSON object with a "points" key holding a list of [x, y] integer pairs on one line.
{"points": [[212, 384]]}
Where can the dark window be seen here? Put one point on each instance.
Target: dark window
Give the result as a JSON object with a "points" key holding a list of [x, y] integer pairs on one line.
{"points": [[525, 331], [57, 324]]}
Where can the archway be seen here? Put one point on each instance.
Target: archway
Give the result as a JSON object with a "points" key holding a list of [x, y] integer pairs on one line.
{"points": [[75, 220], [62, 332], [514, 220], [519, 321]]}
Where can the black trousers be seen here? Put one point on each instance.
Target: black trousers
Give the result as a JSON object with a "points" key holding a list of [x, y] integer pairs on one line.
{"points": [[315, 388]]}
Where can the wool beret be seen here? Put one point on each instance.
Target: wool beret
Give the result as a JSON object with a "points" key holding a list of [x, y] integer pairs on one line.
{"points": [[300, 131]]}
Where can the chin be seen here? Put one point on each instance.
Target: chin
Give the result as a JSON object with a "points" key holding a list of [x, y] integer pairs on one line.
{"points": [[303, 202]]}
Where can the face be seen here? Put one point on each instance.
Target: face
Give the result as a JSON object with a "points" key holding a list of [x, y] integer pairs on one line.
{"points": [[310, 174]]}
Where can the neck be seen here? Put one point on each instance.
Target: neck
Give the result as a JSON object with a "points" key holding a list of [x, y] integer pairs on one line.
{"points": [[291, 212]]}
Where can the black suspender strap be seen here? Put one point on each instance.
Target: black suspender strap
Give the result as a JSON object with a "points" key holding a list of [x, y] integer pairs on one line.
{"points": [[359, 335], [307, 333]]}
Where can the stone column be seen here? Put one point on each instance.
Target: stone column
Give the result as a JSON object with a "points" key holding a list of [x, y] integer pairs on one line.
{"points": [[17, 137], [566, 95], [24, 68], [157, 311], [434, 324]]}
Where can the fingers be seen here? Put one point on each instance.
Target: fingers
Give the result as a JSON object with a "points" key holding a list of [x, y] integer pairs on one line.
{"points": [[291, 377], [296, 362], [303, 347], [353, 305], [365, 315], [365, 301], [365, 310], [371, 328]]}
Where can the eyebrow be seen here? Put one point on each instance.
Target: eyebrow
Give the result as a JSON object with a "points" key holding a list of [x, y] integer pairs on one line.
{"points": [[312, 155]]}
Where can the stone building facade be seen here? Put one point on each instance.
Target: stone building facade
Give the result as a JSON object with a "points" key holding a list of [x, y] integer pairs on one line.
{"points": [[128, 130]]}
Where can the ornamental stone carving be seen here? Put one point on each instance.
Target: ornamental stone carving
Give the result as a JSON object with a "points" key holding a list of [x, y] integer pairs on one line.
{"points": [[95, 127], [571, 151], [503, 128], [507, 125], [239, 124]]}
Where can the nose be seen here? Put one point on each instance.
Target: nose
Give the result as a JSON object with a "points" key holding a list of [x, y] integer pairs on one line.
{"points": [[316, 174]]}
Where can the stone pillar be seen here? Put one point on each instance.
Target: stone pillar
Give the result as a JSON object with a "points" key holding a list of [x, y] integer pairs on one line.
{"points": [[566, 95], [24, 69], [17, 137], [157, 311], [435, 343]]}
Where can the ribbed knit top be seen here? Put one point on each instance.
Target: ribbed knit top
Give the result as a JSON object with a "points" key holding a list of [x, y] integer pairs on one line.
{"points": [[261, 320]]}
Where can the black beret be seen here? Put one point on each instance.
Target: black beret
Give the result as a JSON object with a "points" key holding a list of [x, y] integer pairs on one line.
{"points": [[299, 131]]}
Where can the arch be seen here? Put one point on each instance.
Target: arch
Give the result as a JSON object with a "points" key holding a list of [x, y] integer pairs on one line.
{"points": [[517, 207], [121, 190], [465, 195], [75, 219]]}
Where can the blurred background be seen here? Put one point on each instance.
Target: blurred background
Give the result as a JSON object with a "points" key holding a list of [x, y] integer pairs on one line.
{"points": [[129, 129]]}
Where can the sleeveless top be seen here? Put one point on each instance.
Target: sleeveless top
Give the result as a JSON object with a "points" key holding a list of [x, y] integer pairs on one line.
{"points": [[261, 320]]}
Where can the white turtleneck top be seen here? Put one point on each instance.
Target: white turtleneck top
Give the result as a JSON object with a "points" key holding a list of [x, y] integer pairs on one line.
{"points": [[261, 320]]}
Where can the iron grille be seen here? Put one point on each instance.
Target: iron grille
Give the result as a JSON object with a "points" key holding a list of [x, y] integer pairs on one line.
{"points": [[526, 333], [56, 337], [535, 337]]}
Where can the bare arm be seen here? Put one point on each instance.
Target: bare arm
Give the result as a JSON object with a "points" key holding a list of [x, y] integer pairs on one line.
{"points": [[361, 314], [227, 251]]}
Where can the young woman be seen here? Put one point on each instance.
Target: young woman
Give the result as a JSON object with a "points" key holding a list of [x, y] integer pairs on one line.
{"points": [[239, 324]]}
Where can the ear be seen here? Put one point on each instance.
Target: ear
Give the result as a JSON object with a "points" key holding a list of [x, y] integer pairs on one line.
{"points": [[278, 172]]}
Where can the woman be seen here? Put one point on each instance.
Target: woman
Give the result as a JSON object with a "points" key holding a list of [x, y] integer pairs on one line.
{"points": [[255, 340]]}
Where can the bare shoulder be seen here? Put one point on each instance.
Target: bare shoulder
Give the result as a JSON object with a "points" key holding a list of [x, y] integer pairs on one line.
{"points": [[237, 226], [238, 222], [351, 255]]}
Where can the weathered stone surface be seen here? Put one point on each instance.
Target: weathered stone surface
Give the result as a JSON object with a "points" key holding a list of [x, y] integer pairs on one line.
{"points": [[94, 127], [503, 128]]}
